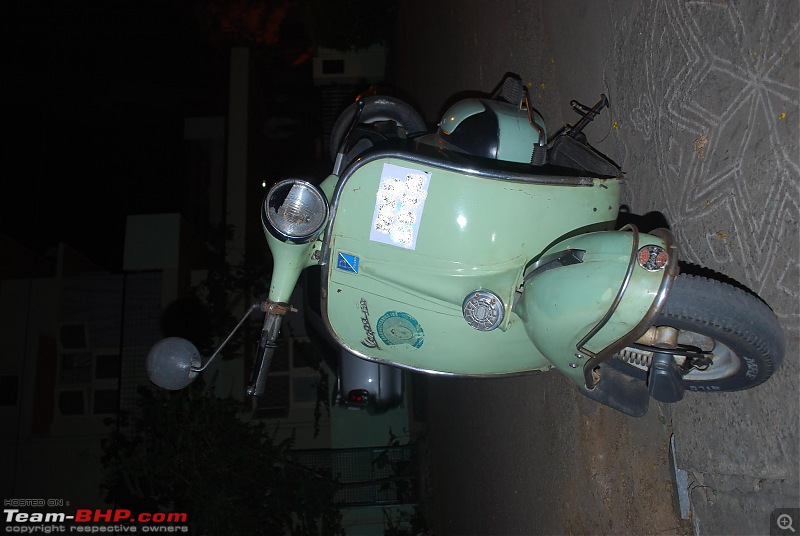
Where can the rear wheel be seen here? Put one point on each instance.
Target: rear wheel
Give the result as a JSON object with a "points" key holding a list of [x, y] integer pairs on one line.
{"points": [[721, 337]]}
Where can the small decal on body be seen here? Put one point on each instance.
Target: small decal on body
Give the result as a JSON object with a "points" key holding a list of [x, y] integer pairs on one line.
{"points": [[398, 206], [652, 258], [347, 262], [369, 341], [400, 328]]}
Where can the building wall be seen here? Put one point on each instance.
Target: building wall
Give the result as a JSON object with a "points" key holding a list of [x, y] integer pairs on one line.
{"points": [[27, 321], [77, 346]]}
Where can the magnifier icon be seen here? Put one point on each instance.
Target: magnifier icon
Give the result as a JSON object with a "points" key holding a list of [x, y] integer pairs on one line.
{"points": [[785, 522]]}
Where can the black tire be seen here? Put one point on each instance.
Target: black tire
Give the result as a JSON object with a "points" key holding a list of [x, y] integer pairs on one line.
{"points": [[748, 342], [377, 108]]}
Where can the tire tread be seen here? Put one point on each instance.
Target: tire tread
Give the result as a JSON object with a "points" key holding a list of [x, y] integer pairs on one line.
{"points": [[733, 314]]}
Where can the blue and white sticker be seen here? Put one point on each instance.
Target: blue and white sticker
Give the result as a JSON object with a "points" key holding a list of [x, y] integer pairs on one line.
{"points": [[398, 206], [396, 327], [347, 262]]}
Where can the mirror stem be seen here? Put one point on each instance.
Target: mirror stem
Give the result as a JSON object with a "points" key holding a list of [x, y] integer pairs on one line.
{"points": [[228, 338]]}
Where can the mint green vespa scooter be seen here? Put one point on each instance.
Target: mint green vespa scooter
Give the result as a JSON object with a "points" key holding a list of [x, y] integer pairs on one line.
{"points": [[486, 249]]}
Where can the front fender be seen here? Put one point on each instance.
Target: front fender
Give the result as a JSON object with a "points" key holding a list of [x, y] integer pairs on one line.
{"points": [[589, 296]]}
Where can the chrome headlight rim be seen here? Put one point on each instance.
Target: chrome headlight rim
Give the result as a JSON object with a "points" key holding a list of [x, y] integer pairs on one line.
{"points": [[274, 199]]}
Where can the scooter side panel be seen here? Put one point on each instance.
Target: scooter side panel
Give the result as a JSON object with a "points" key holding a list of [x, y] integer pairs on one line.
{"points": [[400, 301], [383, 329]]}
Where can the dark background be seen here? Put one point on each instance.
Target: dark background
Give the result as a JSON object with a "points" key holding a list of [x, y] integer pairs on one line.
{"points": [[99, 92]]}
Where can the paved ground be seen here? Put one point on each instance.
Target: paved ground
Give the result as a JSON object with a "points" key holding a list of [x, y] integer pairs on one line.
{"points": [[530, 455], [704, 120]]}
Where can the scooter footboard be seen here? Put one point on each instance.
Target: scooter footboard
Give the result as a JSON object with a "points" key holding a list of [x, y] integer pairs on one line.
{"points": [[591, 295]]}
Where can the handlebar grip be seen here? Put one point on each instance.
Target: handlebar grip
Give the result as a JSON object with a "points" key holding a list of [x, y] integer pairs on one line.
{"points": [[266, 349], [588, 114], [258, 379]]}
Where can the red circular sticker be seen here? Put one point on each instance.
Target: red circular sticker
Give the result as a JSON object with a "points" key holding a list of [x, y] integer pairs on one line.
{"points": [[653, 258]]}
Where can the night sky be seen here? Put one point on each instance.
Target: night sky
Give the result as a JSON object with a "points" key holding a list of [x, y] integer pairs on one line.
{"points": [[94, 122], [100, 90]]}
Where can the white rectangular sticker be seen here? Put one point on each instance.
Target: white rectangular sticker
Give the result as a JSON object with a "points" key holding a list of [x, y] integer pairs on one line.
{"points": [[398, 206]]}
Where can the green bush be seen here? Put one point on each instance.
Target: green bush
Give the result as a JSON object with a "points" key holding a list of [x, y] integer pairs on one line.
{"points": [[186, 451]]}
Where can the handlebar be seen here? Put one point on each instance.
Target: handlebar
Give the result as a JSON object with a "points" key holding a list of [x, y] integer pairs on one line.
{"points": [[586, 113], [266, 349]]}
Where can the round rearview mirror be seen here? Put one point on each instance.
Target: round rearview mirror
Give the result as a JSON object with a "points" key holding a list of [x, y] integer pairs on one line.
{"points": [[170, 362]]}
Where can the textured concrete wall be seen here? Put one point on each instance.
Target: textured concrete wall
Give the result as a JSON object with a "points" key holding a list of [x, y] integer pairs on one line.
{"points": [[705, 122]]}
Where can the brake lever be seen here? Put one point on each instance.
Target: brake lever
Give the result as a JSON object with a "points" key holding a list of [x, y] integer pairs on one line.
{"points": [[587, 114]]}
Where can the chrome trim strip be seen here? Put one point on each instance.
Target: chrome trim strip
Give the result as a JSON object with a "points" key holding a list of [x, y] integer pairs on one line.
{"points": [[618, 298], [472, 166], [670, 273], [439, 373]]}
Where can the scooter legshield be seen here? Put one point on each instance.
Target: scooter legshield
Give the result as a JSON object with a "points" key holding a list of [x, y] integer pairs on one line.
{"points": [[395, 285]]}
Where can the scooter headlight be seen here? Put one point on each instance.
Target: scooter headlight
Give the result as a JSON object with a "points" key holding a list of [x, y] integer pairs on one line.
{"points": [[294, 211]]}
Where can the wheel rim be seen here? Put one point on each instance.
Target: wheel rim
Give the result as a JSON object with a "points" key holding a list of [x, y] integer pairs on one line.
{"points": [[725, 363]]}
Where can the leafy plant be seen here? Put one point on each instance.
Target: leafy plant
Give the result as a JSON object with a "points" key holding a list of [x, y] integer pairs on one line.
{"points": [[184, 451], [404, 523]]}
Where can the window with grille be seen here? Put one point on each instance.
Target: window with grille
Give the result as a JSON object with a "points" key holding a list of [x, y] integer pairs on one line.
{"points": [[274, 403], [292, 380], [88, 381]]}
